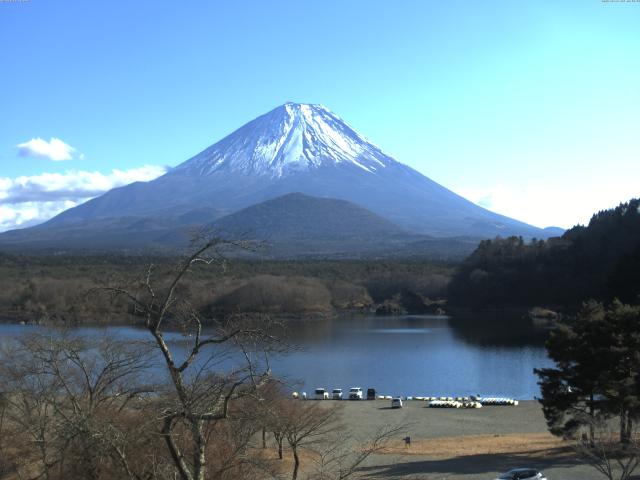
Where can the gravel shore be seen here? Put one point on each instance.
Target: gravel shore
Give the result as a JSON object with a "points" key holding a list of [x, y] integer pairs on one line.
{"points": [[458, 444]]}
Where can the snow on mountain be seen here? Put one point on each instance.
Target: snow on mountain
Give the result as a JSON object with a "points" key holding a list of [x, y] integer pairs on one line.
{"points": [[293, 148], [291, 138]]}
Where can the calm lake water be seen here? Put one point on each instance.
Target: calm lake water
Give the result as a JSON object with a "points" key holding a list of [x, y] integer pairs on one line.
{"points": [[400, 355]]}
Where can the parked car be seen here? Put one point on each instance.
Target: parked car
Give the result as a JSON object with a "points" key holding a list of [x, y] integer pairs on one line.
{"points": [[371, 393], [322, 394], [396, 402], [336, 394], [522, 474], [355, 393]]}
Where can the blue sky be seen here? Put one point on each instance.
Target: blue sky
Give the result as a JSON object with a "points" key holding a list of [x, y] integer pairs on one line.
{"points": [[531, 109]]}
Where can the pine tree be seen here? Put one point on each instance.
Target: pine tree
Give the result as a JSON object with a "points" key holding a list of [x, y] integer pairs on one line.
{"points": [[597, 374]]}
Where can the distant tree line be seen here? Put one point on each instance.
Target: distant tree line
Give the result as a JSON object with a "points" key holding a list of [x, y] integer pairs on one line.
{"points": [[51, 289], [600, 261]]}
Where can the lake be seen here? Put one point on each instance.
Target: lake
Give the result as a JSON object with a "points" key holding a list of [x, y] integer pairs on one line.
{"points": [[421, 355]]}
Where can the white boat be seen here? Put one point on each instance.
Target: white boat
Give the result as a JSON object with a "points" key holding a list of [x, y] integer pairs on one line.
{"points": [[498, 401], [444, 404]]}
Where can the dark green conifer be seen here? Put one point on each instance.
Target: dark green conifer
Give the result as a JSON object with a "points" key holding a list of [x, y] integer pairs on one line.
{"points": [[597, 373]]}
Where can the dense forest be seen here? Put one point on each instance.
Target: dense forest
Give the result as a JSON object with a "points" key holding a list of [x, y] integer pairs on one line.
{"points": [[46, 289], [600, 261]]}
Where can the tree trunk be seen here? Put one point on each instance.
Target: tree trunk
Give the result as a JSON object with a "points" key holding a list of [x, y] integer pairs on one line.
{"points": [[264, 437], [85, 462], [44, 458], [624, 425], [296, 463], [592, 433], [279, 440], [200, 459]]}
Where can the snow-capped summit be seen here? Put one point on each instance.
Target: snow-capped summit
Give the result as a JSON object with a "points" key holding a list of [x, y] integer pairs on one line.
{"points": [[295, 147], [291, 138]]}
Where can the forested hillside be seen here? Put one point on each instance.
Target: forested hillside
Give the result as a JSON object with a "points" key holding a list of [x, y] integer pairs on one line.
{"points": [[47, 289], [601, 261]]}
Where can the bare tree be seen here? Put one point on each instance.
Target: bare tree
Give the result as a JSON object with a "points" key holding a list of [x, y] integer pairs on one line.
{"points": [[271, 414], [66, 398], [208, 371], [340, 460], [307, 424], [11, 451], [605, 452]]}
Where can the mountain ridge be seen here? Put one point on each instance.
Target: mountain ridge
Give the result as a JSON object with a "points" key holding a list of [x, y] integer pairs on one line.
{"points": [[292, 226], [296, 216], [293, 148]]}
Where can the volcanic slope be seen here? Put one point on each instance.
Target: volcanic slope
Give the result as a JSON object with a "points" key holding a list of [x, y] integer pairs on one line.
{"points": [[294, 148]]}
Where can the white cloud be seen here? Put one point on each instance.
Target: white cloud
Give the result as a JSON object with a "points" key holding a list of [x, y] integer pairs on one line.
{"points": [[26, 214], [29, 200], [545, 206], [55, 149]]}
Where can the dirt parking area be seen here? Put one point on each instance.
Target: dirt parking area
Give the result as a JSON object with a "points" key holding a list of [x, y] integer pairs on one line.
{"points": [[462, 444]]}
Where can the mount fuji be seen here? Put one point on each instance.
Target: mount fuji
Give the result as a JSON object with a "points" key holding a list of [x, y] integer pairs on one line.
{"points": [[295, 148]]}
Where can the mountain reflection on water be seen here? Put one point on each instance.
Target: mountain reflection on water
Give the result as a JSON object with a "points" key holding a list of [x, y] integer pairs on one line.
{"points": [[498, 329], [421, 355]]}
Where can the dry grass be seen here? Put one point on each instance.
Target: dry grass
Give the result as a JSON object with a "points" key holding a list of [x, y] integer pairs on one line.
{"points": [[467, 445], [285, 466]]}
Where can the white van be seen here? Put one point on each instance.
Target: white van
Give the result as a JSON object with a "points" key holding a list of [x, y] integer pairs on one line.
{"points": [[355, 393], [322, 394], [396, 402]]}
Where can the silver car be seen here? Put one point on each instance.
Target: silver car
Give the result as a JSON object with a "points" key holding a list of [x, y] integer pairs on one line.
{"points": [[522, 474]]}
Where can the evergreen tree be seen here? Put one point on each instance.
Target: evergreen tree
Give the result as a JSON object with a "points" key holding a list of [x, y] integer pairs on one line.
{"points": [[570, 391], [597, 374], [601, 260], [622, 388]]}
